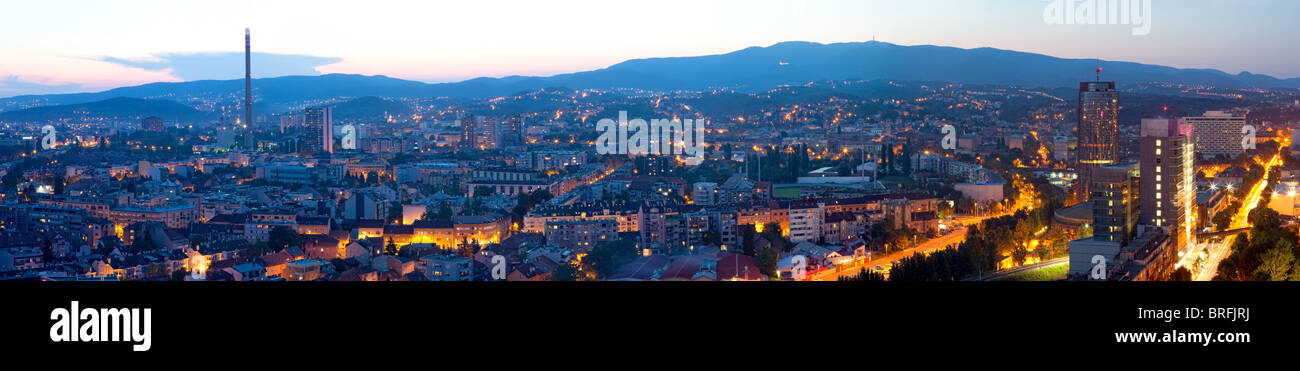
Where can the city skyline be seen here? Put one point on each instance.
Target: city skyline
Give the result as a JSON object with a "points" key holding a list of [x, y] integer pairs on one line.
{"points": [[507, 157], [542, 40]]}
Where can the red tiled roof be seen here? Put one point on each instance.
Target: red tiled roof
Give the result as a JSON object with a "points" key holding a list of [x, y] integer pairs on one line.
{"points": [[276, 258], [737, 266]]}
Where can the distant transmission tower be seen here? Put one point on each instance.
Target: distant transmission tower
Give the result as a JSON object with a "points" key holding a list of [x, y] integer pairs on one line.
{"points": [[248, 91]]}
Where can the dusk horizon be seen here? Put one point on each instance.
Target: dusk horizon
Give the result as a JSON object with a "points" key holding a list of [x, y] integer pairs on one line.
{"points": [[572, 42], [302, 181]]}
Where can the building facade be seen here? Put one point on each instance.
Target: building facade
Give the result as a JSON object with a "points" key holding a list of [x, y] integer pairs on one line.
{"points": [[1169, 187], [319, 130], [1098, 136], [1218, 133], [1115, 203]]}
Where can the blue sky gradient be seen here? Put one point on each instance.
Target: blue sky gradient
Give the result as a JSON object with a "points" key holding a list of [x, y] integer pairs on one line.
{"points": [[85, 45]]}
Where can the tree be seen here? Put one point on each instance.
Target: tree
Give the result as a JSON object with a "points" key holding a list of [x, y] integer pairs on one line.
{"points": [[142, 245], [907, 158], [483, 191], [864, 276], [605, 258], [47, 251], [773, 233], [564, 272], [1268, 252], [945, 210], [767, 259], [1222, 220], [59, 183], [443, 212], [281, 238], [526, 202], [156, 270], [1264, 218], [1277, 264], [468, 248], [179, 274], [747, 236], [395, 213], [965, 205], [108, 245], [1181, 275], [391, 248], [258, 248], [713, 238], [340, 265]]}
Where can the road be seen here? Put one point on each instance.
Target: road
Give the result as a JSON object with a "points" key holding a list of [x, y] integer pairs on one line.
{"points": [[1217, 252], [1021, 269], [938, 243], [1028, 199]]}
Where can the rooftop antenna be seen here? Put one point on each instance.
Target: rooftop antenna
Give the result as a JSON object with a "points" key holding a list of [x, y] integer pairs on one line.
{"points": [[1098, 69]]}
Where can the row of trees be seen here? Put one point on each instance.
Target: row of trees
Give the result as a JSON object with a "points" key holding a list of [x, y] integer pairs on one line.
{"points": [[781, 166], [1268, 253], [986, 245], [892, 164], [885, 238], [864, 276]]}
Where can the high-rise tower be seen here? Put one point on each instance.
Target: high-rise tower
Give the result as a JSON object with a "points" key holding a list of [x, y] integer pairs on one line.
{"points": [[1168, 186], [1098, 131], [319, 129], [248, 91]]}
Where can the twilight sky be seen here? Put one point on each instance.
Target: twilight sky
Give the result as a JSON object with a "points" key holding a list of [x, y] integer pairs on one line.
{"points": [[59, 46]]}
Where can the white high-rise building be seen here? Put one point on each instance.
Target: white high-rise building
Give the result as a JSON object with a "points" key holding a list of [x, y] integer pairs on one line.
{"points": [[1217, 133], [805, 221]]}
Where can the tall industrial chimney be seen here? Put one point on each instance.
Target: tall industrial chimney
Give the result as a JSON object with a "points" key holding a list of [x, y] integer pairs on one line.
{"points": [[248, 91]]}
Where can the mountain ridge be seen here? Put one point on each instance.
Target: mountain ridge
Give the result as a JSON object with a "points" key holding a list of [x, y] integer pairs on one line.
{"points": [[120, 108], [750, 70]]}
